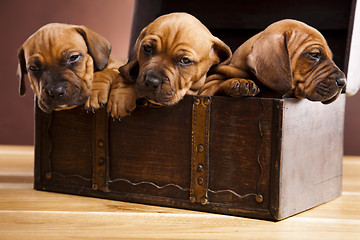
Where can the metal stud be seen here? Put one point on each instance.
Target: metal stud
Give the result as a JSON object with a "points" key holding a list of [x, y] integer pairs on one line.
{"points": [[48, 175], [200, 148], [95, 187], [197, 101], [206, 101], [203, 200], [100, 143], [101, 161], [200, 168], [200, 180], [259, 198]]}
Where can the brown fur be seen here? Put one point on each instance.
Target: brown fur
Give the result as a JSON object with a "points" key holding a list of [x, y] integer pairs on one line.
{"points": [[288, 57], [67, 65], [171, 58]]}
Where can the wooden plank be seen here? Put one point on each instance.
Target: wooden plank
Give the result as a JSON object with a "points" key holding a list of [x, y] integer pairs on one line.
{"points": [[99, 225]]}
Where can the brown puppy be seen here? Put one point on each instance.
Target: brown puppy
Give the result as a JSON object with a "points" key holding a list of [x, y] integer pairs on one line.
{"points": [[171, 58], [288, 57], [67, 65]]}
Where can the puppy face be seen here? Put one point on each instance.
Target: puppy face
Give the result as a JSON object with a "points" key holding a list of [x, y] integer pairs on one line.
{"points": [[315, 75], [60, 60], [294, 59], [171, 58]]}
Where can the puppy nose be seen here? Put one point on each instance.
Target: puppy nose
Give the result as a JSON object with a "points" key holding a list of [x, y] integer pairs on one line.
{"points": [[152, 82], [341, 82], [57, 92]]}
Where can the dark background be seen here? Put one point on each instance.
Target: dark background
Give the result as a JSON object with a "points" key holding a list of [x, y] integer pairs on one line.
{"points": [[113, 19]]}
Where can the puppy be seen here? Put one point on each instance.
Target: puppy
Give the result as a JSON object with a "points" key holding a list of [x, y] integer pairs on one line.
{"points": [[288, 57], [171, 58], [67, 65]]}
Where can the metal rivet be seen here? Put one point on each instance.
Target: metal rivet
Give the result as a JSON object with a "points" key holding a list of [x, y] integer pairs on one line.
{"points": [[259, 198], [200, 168], [192, 199], [196, 101], [200, 180], [203, 200], [95, 186], [206, 101], [200, 148], [101, 161], [48, 175], [100, 143]]}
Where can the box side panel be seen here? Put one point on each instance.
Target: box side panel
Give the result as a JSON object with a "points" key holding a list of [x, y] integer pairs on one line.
{"points": [[150, 152], [240, 153], [312, 151], [65, 141]]}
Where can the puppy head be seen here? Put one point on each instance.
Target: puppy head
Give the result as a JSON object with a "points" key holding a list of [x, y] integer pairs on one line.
{"points": [[293, 58], [171, 58], [60, 60]]}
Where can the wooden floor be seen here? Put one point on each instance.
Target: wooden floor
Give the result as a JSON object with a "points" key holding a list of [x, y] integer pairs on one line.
{"points": [[29, 214]]}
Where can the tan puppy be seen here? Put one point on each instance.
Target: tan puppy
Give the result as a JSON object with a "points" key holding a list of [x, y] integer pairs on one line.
{"points": [[288, 57], [67, 65], [171, 58]]}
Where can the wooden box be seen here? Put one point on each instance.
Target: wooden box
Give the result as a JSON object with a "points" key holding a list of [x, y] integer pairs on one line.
{"points": [[254, 157]]}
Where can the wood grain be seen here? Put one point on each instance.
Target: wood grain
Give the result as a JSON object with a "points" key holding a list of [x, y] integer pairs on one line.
{"points": [[29, 214]]}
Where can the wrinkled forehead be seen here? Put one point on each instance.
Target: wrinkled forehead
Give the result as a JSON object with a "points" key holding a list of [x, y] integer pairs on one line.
{"points": [[304, 37], [53, 41], [179, 30]]}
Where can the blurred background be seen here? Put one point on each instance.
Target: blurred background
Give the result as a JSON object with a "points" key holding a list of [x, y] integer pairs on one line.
{"points": [[113, 20]]}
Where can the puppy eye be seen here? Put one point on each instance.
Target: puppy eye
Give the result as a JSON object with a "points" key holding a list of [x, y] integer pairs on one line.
{"points": [[185, 61], [315, 55], [74, 58], [34, 68], [147, 49]]}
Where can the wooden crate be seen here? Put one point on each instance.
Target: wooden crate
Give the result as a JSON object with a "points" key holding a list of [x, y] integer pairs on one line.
{"points": [[254, 157]]}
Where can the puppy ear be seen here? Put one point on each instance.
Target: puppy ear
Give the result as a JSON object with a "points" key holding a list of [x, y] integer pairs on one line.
{"points": [[222, 52], [21, 71], [99, 47], [130, 70], [270, 62]]}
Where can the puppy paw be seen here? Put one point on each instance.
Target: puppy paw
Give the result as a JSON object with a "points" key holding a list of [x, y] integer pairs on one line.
{"points": [[122, 101], [240, 87], [98, 98]]}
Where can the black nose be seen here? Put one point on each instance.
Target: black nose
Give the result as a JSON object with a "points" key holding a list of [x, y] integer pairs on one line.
{"points": [[152, 82], [341, 82], [57, 92]]}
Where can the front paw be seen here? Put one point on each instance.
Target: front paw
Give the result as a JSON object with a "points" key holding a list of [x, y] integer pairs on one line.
{"points": [[241, 87], [97, 99], [121, 102]]}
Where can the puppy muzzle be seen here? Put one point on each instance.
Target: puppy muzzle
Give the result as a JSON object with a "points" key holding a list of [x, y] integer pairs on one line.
{"points": [[340, 82], [155, 86], [60, 96]]}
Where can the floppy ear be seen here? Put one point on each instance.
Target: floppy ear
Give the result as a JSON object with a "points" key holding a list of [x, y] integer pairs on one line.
{"points": [[130, 71], [221, 52], [270, 62], [99, 47], [21, 70]]}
